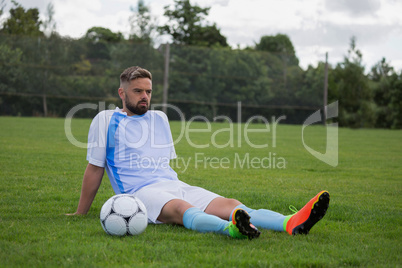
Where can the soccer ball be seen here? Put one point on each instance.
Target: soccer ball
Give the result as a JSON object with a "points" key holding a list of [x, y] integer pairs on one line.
{"points": [[123, 214]]}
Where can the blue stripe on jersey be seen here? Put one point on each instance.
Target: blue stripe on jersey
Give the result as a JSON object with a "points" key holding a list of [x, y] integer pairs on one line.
{"points": [[111, 145]]}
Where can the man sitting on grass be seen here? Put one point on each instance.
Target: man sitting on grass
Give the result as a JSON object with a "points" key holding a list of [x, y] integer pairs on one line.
{"points": [[120, 140]]}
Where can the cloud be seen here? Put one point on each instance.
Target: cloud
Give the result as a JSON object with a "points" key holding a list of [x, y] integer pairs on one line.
{"points": [[212, 3], [374, 42], [353, 7], [27, 4], [75, 22]]}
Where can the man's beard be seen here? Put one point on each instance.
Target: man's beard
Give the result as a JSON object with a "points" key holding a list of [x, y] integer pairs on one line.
{"points": [[136, 109]]}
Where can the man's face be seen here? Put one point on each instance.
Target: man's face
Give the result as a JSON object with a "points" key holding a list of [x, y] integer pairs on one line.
{"points": [[136, 96]]}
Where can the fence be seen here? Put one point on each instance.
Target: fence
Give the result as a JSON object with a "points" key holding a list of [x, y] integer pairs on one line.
{"points": [[49, 76]]}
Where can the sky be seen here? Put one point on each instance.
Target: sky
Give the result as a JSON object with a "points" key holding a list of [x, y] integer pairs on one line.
{"points": [[315, 27]]}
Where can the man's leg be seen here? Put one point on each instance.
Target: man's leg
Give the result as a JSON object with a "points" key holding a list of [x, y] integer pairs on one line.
{"points": [[227, 209], [298, 223], [173, 211], [266, 219], [224, 207], [180, 212]]}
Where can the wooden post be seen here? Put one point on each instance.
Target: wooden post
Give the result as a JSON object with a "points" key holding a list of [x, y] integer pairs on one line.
{"points": [[44, 105], [325, 100], [166, 78]]}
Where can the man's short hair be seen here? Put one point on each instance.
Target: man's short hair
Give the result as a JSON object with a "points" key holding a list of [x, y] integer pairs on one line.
{"points": [[133, 73]]}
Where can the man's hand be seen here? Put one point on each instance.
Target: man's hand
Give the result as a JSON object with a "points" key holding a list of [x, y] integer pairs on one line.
{"points": [[73, 214]]}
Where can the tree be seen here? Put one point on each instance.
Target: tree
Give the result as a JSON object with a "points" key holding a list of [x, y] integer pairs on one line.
{"points": [[99, 40], [100, 34], [281, 46], [387, 95], [142, 24], [187, 26], [49, 26], [352, 90], [22, 22], [282, 49], [311, 89], [209, 36], [380, 70], [9, 71]]}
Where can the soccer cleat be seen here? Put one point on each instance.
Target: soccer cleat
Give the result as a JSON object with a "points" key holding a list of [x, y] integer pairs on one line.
{"points": [[240, 226], [303, 220]]}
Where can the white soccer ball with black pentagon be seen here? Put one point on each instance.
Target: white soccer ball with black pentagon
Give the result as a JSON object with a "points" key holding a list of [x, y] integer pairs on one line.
{"points": [[123, 214]]}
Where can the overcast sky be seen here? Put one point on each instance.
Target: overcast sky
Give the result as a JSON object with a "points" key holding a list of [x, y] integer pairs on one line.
{"points": [[314, 26]]}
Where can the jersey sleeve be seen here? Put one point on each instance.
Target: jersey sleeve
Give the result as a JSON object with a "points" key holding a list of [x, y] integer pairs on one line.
{"points": [[96, 151]]}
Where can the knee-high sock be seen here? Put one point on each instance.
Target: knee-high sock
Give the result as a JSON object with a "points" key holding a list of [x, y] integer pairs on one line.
{"points": [[264, 218], [198, 220]]}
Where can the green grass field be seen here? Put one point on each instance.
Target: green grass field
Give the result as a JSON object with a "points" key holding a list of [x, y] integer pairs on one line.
{"points": [[41, 174]]}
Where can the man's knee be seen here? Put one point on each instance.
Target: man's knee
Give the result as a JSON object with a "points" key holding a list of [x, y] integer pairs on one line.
{"points": [[222, 207], [173, 211], [233, 202], [228, 203]]}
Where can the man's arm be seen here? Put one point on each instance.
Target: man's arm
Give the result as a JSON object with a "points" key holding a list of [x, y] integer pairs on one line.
{"points": [[90, 185]]}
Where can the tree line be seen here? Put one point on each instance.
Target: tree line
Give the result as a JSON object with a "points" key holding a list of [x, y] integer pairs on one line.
{"points": [[43, 73]]}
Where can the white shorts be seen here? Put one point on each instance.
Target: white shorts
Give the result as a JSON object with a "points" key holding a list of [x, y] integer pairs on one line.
{"points": [[155, 196]]}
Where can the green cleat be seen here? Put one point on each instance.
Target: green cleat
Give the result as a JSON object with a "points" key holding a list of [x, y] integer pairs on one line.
{"points": [[240, 226]]}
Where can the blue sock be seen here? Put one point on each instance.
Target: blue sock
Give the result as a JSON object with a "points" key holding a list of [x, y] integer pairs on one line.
{"points": [[264, 218], [198, 220]]}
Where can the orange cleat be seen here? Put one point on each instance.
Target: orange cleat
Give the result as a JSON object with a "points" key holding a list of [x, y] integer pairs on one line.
{"points": [[302, 221]]}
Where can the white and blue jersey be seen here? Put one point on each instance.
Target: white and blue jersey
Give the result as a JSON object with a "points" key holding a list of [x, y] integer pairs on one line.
{"points": [[134, 150]]}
